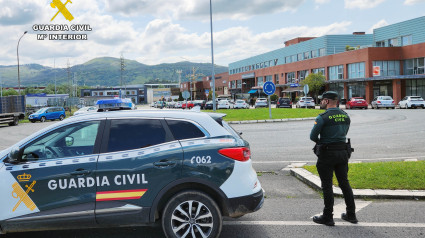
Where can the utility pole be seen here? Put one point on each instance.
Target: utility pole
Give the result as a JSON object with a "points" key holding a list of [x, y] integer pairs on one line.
{"points": [[68, 70], [54, 69], [122, 72], [212, 57], [192, 79]]}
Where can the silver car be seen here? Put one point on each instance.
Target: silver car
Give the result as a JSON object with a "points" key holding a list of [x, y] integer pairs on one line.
{"points": [[241, 104], [261, 102], [383, 102], [412, 102], [305, 102]]}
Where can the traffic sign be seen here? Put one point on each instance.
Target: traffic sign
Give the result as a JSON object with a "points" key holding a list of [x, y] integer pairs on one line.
{"points": [[306, 89], [269, 88], [186, 94]]}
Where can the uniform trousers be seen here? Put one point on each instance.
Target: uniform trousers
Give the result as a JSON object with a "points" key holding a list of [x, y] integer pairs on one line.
{"points": [[329, 162]]}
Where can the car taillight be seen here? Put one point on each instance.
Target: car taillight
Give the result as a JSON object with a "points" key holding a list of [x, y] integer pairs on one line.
{"points": [[290, 103], [301, 101], [378, 101], [239, 153], [393, 102]]}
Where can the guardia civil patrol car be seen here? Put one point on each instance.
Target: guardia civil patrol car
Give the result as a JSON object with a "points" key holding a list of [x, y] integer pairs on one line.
{"points": [[182, 169]]}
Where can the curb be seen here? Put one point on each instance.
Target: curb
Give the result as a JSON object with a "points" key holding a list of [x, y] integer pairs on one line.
{"points": [[314, 182], [272, 120]]}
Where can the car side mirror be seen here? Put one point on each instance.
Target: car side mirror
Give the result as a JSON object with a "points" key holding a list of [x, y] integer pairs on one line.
{"points": [[15, 155], [69, 140]]}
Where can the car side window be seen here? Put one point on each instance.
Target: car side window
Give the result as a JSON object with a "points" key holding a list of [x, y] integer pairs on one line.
{"points": [[130, 134], [184, 130], [69, 141]]}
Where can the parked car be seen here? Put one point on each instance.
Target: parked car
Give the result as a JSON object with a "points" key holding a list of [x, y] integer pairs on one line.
{"points": [[261, 102], [84, 110], [200, 103], [412, 102], [178, 104], [160, 104], [47, 113], [188, 104], [171, 104], [305, 102], [383, 102], [209, 105], [284, 103], [184, 170], [224, 104], [356, 102], [241, 104]]}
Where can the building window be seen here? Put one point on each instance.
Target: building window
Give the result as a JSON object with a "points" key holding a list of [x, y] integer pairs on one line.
{"points": [[290, 77], [319, 70], [406, 40], [239, 83], [307, 55], [300, 57], [321, 52], [314, 54], [356, 70], [276, 78], [414, 66], [380, 44], [336, 72], [357, 90], [388, 68], [233, 84], [288, 59], [302, 75], [269, 78], [393, 42], [294, 58], [415, 87], [260, 81]]}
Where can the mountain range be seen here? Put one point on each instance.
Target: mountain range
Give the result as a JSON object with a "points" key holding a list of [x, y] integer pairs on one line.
{"points": [[104, 71]]}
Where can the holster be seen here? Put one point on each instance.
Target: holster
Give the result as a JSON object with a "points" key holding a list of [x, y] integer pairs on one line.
{"points": [[349, 148], [317, 149]]}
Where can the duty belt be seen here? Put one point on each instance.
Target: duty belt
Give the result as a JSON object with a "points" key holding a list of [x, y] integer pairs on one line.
{"points": [[331, 147]]}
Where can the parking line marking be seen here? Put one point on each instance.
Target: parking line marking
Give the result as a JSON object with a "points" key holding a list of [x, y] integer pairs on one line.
{"points": [[340, 208], [310, 223]]}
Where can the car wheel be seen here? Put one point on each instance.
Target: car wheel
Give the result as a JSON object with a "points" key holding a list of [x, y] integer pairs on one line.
{"points": [[61, 118], [347, 107], [191, 214], [42, 119], [33, 121], [15, 121], [405, 106]]}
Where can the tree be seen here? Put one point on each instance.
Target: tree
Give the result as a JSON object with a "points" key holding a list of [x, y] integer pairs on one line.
{"points": [[274, 97], [181, 96], [210, 95], [10, 92], [315, 82]]}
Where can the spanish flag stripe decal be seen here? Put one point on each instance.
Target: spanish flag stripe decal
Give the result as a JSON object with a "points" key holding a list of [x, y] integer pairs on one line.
{"points": [[123, 191], [120, 195]]}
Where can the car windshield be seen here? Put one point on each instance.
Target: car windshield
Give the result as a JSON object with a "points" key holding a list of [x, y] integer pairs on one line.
{"points": [[223, 102]]}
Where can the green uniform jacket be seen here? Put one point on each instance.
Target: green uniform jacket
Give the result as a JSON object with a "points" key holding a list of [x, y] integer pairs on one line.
{"points": [[332, 126]]}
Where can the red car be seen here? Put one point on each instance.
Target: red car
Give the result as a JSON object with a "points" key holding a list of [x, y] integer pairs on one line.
{"points": [[189, 105], [356, 102]]}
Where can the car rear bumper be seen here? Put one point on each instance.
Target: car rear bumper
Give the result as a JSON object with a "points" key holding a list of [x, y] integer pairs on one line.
{"points": [[240, 206]]}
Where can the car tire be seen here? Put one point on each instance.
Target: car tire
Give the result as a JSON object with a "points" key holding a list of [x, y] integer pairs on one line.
{"points": [[347, 107], [405, 106], [15, 121], [42, 119], [33, 121], [200, 205], [61, 118]]}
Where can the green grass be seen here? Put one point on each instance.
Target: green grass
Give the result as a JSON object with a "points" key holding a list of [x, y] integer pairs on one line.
{"points": [[263, 113], [384, 175]]}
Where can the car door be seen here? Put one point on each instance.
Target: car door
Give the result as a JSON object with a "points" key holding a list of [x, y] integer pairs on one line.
{"points": [[138, 159], [53, 183]]}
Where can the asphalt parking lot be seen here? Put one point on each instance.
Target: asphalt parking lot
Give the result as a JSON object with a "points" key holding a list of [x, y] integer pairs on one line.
{"points": [[377, 135]]}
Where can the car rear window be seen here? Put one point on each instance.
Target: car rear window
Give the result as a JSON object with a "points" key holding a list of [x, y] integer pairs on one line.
{"points": [[129, 134], [386, 98], [184, 129], [240, 101], [230, 129]]}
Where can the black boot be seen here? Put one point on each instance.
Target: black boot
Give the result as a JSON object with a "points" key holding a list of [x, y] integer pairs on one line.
{"points": [[326, 220], [350, 217]]}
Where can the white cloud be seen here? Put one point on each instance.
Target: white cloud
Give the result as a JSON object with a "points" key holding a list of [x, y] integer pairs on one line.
{"points": [[19, 12], [379, 24], [362, 4], [413, 2], [322, 1], [195, 9]]}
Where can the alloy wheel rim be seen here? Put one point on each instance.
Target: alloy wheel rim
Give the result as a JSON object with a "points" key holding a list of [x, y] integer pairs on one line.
{"points": [[192, 219]]}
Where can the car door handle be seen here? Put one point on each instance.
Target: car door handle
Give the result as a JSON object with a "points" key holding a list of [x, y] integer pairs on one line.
{"points": [[164, 163], [80, 172]]}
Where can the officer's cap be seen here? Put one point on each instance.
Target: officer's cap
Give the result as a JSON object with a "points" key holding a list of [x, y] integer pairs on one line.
{"points": [[329, 95]]}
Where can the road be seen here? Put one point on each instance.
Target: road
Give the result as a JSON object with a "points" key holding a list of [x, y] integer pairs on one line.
{"points": [[289, 203]]}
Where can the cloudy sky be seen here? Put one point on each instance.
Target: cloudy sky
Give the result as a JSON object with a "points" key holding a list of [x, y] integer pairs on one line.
{"points": [[168, 31]]}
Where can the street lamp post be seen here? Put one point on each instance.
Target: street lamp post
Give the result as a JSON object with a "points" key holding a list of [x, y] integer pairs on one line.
{"points": [[17, 55], [212, 58]]}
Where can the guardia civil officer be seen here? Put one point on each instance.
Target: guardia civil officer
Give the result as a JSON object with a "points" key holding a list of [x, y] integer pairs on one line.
{"points": [[329, 133]]}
